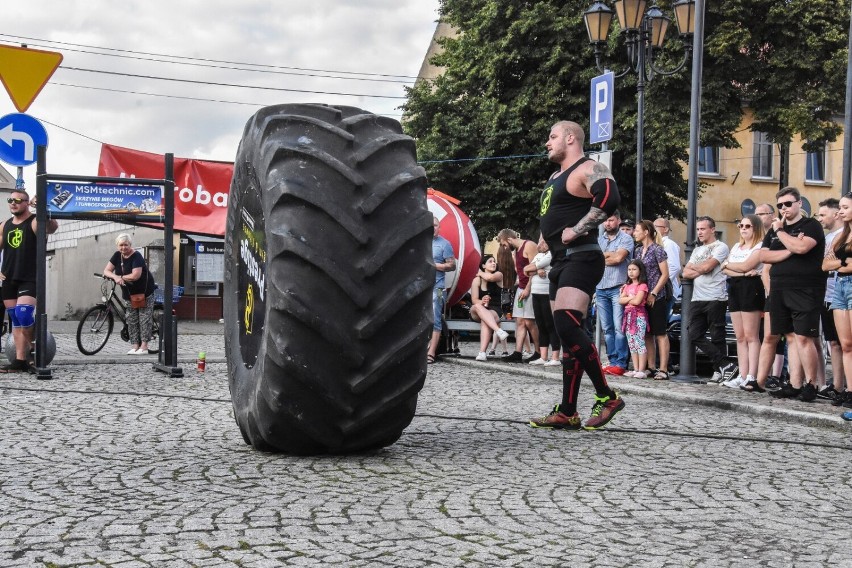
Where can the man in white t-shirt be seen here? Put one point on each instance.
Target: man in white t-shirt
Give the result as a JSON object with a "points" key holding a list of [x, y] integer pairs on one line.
{"points": [[672, 255], [709, 298]]}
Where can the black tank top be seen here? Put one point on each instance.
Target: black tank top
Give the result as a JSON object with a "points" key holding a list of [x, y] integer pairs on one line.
{"points": [[19, 250], [494, 290], [559, 209]]}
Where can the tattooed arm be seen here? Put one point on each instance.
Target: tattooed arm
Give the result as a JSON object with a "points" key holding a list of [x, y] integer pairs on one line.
{"points": [[591, 220], [598, 181]]}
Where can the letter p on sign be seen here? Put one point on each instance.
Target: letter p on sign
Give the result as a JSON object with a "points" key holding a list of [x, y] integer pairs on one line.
{"points": [[600, 116]]}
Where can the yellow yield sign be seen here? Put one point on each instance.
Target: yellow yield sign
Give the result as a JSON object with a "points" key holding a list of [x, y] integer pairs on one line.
{"points": [[25, 72]]}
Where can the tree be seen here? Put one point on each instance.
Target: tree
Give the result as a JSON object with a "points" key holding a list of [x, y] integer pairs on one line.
{"points": [[517, 67]]}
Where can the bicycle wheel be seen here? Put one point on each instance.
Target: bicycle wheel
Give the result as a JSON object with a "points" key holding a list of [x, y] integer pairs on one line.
{"points": [[94, 330], [156, 326]]}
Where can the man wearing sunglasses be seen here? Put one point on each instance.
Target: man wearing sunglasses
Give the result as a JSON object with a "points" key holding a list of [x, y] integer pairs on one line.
{"points": [[18, 273], [794, 247]]}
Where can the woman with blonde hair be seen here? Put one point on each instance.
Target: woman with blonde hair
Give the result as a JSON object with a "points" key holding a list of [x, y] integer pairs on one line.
{"points": [[839, 259], [746, 297], [127, 269]]}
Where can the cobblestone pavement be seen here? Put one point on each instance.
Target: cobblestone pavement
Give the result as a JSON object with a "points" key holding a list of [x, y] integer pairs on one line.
{"points": [[113, 464]]}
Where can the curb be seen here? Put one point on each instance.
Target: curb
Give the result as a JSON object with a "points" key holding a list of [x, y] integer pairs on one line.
{"points": [[786, 414]]}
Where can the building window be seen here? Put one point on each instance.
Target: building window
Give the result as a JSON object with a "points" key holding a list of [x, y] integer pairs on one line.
{"points": [[708, 160], [815, 166], [762, 166]]}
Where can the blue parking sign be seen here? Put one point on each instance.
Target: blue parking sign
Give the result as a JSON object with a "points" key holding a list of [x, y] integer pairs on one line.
{"points": [[20, 137], [601, 112]]}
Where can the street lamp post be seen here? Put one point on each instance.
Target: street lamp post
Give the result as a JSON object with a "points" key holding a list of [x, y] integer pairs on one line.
{"points": [[645, 33]]}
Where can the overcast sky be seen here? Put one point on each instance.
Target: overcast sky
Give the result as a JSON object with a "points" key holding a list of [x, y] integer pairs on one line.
{"points": [[382, 42]]}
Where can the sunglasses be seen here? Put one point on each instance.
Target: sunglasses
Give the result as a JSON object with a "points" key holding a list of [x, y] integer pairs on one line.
{"points": [[785, 204], [16, 200], [744, 226]]}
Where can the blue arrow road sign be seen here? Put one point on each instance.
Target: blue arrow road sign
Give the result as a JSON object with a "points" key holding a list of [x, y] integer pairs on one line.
{"points": [[20, 136], [600, 118]]}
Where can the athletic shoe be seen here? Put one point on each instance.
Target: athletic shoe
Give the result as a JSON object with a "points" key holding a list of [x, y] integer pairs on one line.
{"points": [[553, 363], [132, 352], [537, 362], [809, 393], [847, 403], [846, 415], [535, 357], [735, 383], [482, 356], [501, 334], [840, 398], [827, 392], [492, 353], [787, 391], [728, 371], [773, 382], [716, 378], [604, 410], [515, 357], [614, 370], [557, 420]]}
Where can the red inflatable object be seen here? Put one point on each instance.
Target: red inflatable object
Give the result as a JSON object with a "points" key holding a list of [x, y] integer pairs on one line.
{"points": [[456, 228]]}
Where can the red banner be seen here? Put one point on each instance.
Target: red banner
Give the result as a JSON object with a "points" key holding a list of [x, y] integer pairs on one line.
{"points": [[201, 187]]}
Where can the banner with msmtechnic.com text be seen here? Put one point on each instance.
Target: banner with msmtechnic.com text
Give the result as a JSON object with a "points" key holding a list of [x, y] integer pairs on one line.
{"points": [[201, 186], [130, 203]]}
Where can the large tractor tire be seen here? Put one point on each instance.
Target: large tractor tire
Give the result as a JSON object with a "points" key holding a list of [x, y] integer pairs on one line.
{"points": [[328, 280]]}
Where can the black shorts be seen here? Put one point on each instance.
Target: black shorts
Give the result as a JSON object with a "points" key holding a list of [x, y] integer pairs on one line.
{"points": [[581, 270], [746, 294], [829, 331], [14, 289], [658, 316], [796, 311]]}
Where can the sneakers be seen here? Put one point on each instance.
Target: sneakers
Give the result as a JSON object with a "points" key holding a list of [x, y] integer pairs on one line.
{"points": [[716, 378], [482, 356], [553, 363], [557, 420], [515, 357], [604, 410], [840, 398], [535, 357], [728, 370], [16, 366], [773, 382], [808, 394], [538, 361], [735, 383], [501, 334], [492, 353], [787, 391], [827, 392], [614, 370]]}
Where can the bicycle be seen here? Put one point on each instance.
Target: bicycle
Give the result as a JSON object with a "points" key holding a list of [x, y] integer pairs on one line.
{"points": [[97, 323]]}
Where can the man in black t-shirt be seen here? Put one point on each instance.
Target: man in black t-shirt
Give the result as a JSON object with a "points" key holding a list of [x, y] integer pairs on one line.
{"points": [[794, 247], [18, 273]]}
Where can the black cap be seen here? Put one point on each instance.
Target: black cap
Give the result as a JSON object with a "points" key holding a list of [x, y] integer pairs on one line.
{"points": [[627, 223]]}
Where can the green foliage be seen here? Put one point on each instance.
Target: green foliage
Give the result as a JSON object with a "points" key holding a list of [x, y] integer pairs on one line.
{"points": [[517, 67]]}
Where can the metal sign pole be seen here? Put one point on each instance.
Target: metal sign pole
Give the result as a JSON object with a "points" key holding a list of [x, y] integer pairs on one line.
{"points": [[42, 372]]}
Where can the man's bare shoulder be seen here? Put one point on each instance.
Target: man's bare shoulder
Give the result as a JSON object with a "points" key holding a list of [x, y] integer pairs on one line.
{"points": [[592, 171]]}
